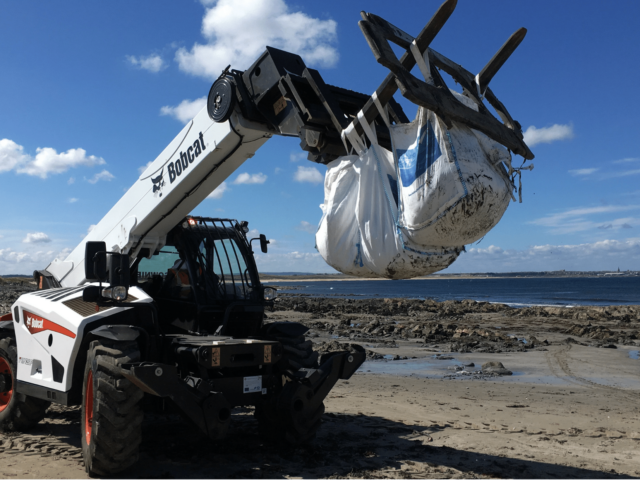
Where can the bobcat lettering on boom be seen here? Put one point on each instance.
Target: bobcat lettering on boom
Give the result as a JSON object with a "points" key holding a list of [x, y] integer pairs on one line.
{"points": [[176, 168]]}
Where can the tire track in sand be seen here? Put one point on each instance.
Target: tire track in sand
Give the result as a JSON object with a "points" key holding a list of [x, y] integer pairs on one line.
{"points": [[558, 361]]}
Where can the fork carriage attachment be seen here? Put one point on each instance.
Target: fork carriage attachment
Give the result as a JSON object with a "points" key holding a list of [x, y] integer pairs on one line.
{"points": [[296, 394]]}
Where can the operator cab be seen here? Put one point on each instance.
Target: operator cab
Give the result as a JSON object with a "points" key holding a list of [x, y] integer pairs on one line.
{"points": [[205, 279]]}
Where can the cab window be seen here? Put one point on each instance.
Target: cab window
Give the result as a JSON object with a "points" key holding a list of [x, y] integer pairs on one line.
{"points": [[158, 264]]}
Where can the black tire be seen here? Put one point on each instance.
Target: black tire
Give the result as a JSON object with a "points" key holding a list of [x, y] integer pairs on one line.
{"points": [[111, 423], [276, 425], [19, 412], [298, 352]]}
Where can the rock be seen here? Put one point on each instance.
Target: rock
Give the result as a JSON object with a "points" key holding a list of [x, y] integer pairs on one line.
{"points": [[496, 368]]}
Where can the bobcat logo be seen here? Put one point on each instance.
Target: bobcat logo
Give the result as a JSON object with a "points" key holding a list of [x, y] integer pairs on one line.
{"points": [[158, 183], [34, 323]]}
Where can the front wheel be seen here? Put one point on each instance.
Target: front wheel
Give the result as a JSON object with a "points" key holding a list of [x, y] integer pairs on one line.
{"points": [[112, 416], [18, 412], [294, 423]]}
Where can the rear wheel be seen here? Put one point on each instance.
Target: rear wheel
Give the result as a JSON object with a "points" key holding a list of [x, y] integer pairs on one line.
{"points": [[18, 412], [111, 412]]}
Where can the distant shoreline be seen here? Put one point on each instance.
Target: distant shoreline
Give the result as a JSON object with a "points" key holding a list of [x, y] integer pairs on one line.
{"points": [[462, 276]]}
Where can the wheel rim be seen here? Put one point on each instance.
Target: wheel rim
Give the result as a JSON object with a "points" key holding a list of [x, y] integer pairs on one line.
{"points": [[5, 397], [88, 408]]}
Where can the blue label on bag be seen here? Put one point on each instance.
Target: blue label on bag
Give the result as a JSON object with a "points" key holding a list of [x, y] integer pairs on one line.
{"points": [[415, 161]]}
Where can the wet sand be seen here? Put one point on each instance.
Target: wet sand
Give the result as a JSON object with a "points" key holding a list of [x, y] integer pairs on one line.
{"points": [[417, 409]]}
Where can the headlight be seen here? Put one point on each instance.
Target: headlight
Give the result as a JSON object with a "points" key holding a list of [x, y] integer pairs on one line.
{"points": [[115, 293], [270, 293]]}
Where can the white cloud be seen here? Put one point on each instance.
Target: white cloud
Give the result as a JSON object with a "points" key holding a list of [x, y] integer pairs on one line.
{"points": [[534, 136], [307, 227], [245, 178], [64, 253], [103, 175], [25, 262], [627, 160], [185, 110], [308, 174], [11, 155], [626, 173], [47, 160], [571, 221], [38, 237], [296, 261], [9, 256], [72, 200], [152, 63], [71, 181], [296, 156], [142, 168], [583, 172], [277, 170], [218, 192], [237, 31], [603, 255], [91, 227]]}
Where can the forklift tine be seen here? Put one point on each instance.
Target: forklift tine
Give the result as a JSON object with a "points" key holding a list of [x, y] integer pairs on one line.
{"points": [[501, 56], [384, 93], [431, 29], [426, 36]]}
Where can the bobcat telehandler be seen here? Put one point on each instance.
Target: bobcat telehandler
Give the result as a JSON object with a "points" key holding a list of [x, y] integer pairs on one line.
{"points": [[156, 307]]}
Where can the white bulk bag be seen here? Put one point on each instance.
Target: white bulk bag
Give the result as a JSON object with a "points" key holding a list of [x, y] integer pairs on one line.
{"points": [[358, 234], [452, 186], [410, 213]]}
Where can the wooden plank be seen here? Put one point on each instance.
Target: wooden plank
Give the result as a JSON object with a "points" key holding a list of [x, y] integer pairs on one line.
{"points": [[467, 81], [388, 86], [430, 97], [501, 56], [378, 42], [393, 33]]}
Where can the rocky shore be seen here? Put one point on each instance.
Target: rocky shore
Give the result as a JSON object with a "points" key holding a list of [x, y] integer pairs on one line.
{"points": [[463, 326]]}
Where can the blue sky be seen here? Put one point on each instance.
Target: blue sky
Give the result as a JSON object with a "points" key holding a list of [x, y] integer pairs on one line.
{"points": [[92, 91]]}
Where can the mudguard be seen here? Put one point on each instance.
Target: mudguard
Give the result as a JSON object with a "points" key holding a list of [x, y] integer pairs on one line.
{"points": [[121, 333]]}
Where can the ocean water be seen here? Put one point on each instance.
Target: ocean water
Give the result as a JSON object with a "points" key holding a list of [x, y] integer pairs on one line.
{"points": [[518, 292]]}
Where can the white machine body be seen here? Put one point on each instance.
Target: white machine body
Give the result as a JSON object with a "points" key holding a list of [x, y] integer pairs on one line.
{"points": [[49, 329]]}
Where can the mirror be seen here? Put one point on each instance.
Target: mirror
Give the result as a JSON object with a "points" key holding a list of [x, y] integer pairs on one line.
{"points": [[95, 261], [263, 243], [119, 270]]}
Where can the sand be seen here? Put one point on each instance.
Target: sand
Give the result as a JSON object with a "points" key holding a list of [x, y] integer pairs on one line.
{"points": [[570, 409]]}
